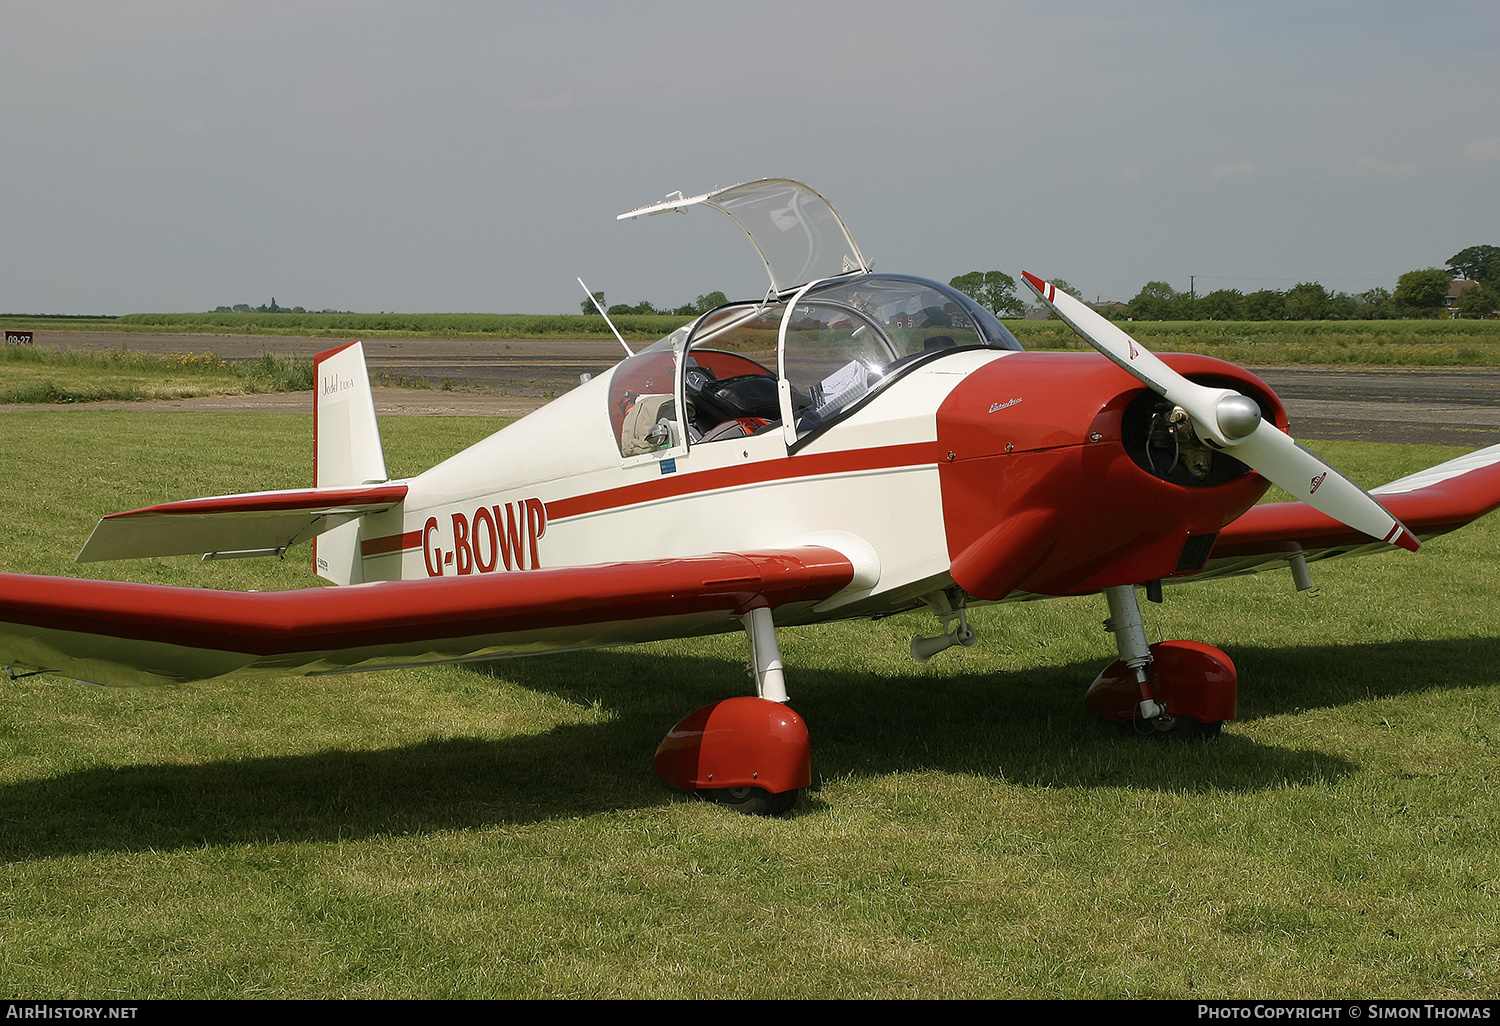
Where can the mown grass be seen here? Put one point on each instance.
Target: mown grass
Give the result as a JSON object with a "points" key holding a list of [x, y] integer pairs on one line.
{"points": [[496, 831], [1426, 343], [42, 374]]}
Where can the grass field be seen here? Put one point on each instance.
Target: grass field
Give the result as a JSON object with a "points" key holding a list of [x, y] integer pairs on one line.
{"points": [[496, 831], [42, 374]]}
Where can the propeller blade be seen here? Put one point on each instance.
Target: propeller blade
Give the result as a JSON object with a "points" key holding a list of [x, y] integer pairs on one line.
{"points": [[1230, 420]]}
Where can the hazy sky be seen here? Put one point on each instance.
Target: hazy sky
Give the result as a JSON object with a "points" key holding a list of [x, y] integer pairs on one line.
{"points": [[470, 156]]}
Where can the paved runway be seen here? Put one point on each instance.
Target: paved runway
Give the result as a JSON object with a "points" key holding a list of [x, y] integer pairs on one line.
{"points": [[512, 377], [1451, 406]]}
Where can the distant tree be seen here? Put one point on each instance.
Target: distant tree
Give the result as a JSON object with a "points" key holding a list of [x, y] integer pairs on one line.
{"points": [[1307, 301], [1221, 305], [1341, 307], [993, 290], [703, 304], [1264, 305], [1477, 263], [1474, 302], [588, 307], [1374, 304], [1421, 293], [1157, 301], [972, 285]]}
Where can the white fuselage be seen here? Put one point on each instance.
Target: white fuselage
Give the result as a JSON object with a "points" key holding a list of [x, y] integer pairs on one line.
{"points": [[553, 490]]}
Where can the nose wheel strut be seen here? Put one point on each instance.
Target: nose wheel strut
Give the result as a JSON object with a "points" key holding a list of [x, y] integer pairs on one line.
{"points": [[1184, 688], [1129, 628]]}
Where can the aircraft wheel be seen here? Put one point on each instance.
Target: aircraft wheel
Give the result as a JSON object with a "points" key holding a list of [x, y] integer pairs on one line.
{"points": [[753, 801], [1185, 728]]}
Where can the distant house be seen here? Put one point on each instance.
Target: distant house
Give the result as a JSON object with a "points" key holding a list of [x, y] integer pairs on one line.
{"points": [[1453, 292]]}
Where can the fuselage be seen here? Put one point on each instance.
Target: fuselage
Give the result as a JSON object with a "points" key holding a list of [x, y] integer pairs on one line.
{"points": [[1000, 472]]}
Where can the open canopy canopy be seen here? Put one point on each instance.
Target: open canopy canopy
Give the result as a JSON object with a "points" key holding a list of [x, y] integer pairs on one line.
{"points": [[798, 234]]}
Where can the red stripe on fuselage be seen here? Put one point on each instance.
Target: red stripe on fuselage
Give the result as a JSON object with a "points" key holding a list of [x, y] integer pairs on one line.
{"points": [[806, 465], [391, 543], [684, 483]]}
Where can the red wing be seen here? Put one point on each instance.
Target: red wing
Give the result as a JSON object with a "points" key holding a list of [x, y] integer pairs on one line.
{"points": [[112, 632], [1431, 502], [234, 523]]}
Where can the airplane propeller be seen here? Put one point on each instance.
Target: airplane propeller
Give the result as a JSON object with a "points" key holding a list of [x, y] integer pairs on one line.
{"points": [[1226, 419]]}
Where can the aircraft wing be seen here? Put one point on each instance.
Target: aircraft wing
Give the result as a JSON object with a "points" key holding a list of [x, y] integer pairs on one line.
{"points": [[253, 523], [1431, 502], [112, 632]]}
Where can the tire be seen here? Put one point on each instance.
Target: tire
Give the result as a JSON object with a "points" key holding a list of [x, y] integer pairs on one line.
{"points": [[753, 801], [1188, 729], [1183, 728]]}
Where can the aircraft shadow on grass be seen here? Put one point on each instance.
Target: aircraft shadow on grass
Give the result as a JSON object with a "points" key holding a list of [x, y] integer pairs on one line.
{"points": [[1023, 725]]}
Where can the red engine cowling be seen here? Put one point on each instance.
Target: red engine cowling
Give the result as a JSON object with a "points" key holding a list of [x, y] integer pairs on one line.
{"points": [[1059, 478]]}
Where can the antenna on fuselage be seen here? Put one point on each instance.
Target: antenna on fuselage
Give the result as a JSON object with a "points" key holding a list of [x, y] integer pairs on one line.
{"points": [[600, 307]]}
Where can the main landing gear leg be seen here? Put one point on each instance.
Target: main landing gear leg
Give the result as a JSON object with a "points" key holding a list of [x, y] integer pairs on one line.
{"points": [[751, 754], [765, 655], [1179, 687]]}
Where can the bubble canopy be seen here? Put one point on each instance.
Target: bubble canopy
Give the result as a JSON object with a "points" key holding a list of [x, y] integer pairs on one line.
{"points": [[797, 233], [802, 363]]}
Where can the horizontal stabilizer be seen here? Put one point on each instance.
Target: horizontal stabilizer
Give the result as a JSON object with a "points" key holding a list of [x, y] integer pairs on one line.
{"points": [[266, 522]]}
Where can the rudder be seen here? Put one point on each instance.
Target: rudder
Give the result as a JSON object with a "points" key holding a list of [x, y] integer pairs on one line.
{"points": [[346, 451]]}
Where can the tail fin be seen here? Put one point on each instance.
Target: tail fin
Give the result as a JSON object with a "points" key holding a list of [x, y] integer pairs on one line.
{"points": [[346, 451], [346, 442]]}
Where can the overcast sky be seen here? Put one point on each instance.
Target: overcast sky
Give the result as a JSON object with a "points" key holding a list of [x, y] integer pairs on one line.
{"points": [[158, 155]]}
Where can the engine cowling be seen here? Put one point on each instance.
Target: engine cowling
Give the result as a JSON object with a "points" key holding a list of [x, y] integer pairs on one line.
{"points": [[1062, 475]]}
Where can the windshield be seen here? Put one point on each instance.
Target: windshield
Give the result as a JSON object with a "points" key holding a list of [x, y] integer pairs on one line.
{"points": [[849, 339], [915, 313]]}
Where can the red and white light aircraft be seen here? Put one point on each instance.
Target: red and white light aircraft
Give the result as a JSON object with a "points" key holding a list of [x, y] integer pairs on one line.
{"points": [[852, 445]]}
